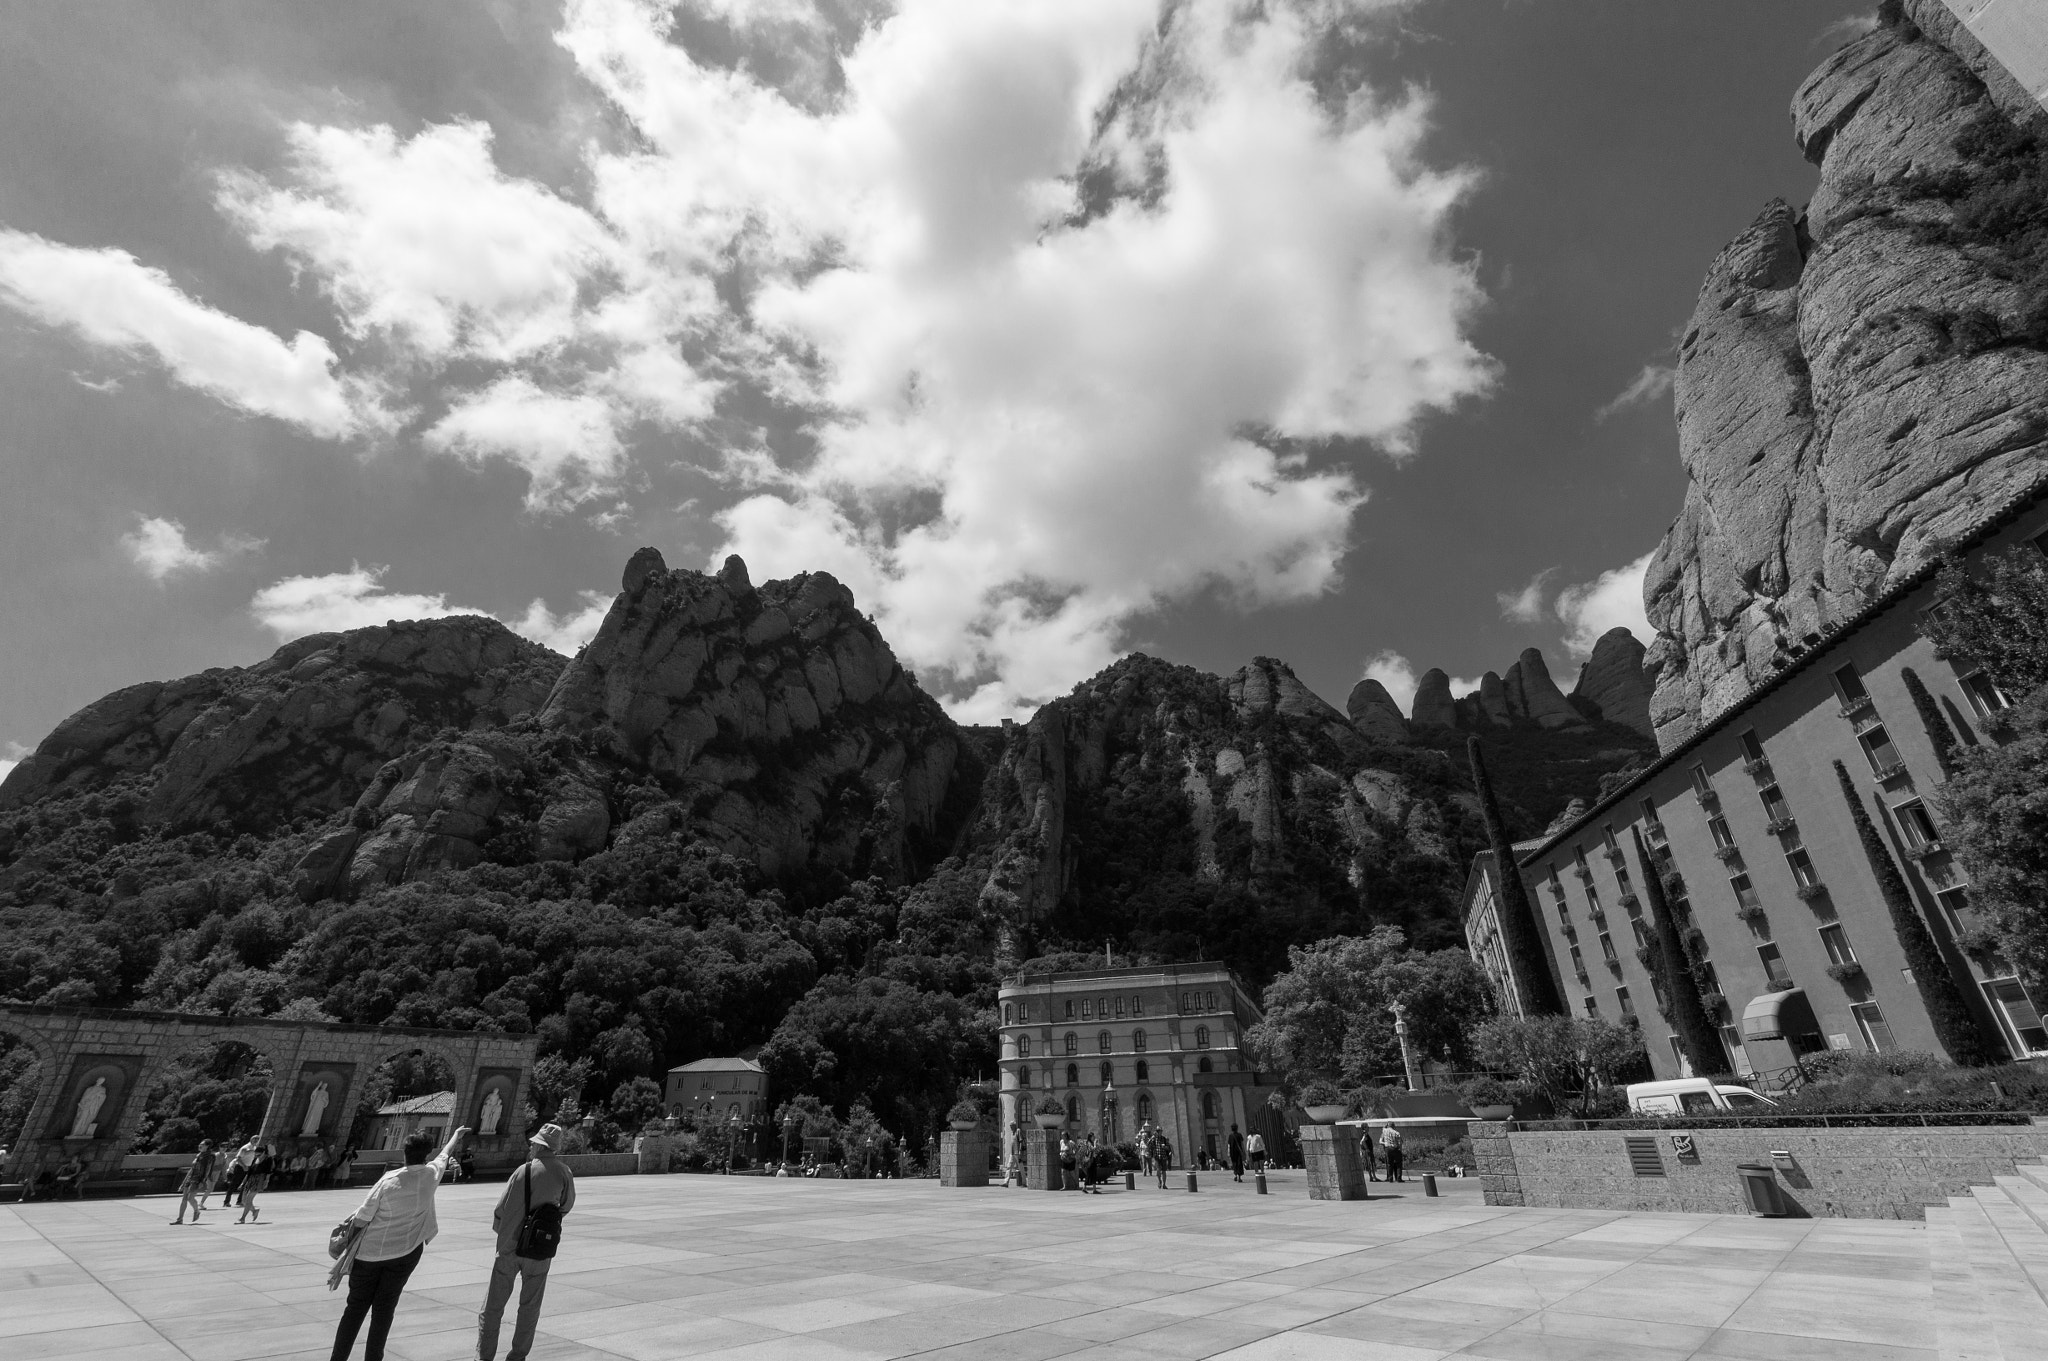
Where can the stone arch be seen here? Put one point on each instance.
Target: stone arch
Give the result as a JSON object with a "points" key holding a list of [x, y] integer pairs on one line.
{"points": [[49, 1077], [383, 1050]]}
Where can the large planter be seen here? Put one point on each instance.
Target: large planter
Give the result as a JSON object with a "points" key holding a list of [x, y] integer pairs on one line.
{"points": [[964, 1125], [1326, 1114], [1494, 1112], [1050, 1121]]}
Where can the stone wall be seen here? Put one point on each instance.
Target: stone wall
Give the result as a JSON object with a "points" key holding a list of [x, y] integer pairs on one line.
{"points": [[602, 1164], [1846, 1173], [1330, 1156]]}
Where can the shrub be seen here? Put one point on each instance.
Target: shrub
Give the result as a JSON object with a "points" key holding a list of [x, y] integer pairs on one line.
{"points": [[1051, 1106], [1489, 1091], [964, 1110], [1322, 1093]]}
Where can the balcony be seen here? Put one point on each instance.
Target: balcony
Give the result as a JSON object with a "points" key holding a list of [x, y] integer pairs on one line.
{"points": [[1707, 797], [1757, 767], [1848, 971], [1631, 903], [1585, 874], [1924, 849], [1888, 772], [1812, 892], [1726, 854], [1780, 985], [1644, 956], [1750, 912], [1780, 826], [1617, 859], [1859, 707], [1713, 1002]]}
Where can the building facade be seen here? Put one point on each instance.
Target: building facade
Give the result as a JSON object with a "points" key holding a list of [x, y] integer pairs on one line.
{"points": [[1787, 932], [1120, 1048], [717, 1090], [400, 1120]]}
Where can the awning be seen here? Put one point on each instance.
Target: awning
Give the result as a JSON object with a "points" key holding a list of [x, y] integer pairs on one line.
{"points": [[1777, 1015]]}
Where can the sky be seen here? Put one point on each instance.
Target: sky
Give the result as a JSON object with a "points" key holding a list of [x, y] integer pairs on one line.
{"points": [[1338, 332]]}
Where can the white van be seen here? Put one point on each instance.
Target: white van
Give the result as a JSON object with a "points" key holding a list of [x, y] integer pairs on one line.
{"points": [[1695, 1096]]}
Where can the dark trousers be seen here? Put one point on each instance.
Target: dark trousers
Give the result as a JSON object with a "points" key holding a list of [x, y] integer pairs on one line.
{"points": [[373, 1289], [1237, 1163], [1394, 1165]]}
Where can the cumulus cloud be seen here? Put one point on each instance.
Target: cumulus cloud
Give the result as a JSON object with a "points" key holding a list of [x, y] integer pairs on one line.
{"points": [[160, 548], [1652, 384], [565, 442], [12, 754], [110, 300], [297, 606], [1848, 29], [1400, 677], [1526, 605], [1612, 599]]}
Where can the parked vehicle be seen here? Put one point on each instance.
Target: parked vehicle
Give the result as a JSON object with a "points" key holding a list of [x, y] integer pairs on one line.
{"points": [[1695, 1096]]}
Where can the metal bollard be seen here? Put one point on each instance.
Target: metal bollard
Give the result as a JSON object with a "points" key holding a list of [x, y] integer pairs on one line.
{"points": [[1429, 1183], [1130, 1180], [1191, 1179], [1259, 1180]]}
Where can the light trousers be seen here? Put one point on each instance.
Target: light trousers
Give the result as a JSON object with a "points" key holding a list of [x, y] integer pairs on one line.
{"points": [[532, 1275]]}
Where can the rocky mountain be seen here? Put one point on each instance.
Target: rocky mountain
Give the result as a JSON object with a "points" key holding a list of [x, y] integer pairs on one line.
{"points": [[1863, 380]]}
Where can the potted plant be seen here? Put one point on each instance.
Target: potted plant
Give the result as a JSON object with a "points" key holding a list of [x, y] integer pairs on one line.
{"points": [[965, 1115], [1489, 1098], [1324, 1103], [1050, 1114]]}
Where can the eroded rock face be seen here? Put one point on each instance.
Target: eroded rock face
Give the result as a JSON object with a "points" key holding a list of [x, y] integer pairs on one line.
{"points": [[1534, 696], [299, 734], [1374, 713], [1857, 386], [1613, 685], [1433, 706]]}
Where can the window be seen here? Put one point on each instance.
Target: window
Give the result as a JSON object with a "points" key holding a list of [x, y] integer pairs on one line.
{"points": [[1751, 748], [1119, 1006], [1024, 1076], [1836, 940], [1087, 1009], [1774, 964], [1657, 991], [1803, 872], [1212, 1003], [1578, 962], [1073, 1075], [1208, 1105], [1649, 807], [1775, 807], [1592, 1005], [2018, 1015], [1731, 1040], [1916, 824], [1678, 1057], [1621, 1000], [1102, 1042], [1849, 686], [1024, 1011], [1870, 1020], [1984, 695], [1186, 1002], [1745, 893], [1073, 1043], [1137, 1006], [1204, 1065], [1201, 1037], [1607, 835], [1144, 1073], [1701, 785], [1635, 921], [1023, 1046], [1952, 901], [1070, 1008], [1607, 948], [1144, 1101], [1107, 1073], [1073, 1110], [1723, 838], [1006, 1014], [1138, 1040], [1878, 749]]}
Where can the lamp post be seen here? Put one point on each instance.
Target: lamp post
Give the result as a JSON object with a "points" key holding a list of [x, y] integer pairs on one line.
{"points": [[1407, 1055], [788, 1136], [732, 1139], [1108, 1112]]}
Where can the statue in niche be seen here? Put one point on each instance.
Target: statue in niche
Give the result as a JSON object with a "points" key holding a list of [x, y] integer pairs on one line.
{"points": [[494, 1111], [87, 1121], [316, 1106]]}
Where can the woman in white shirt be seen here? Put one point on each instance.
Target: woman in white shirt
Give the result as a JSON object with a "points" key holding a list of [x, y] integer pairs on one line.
{"points": [[398, 1223]]}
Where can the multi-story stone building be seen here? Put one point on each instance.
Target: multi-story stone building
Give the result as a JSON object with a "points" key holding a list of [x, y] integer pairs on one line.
{"points": [[1123, 1047], [718, 1089], [1787, 931]]}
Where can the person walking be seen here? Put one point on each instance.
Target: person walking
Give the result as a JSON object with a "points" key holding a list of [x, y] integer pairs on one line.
{"points": [[1390, 1144], [398, 1223], [1236, 1154], [1070, 1180], [1365, 1155], [1255, 1151], [344, 1169], [193, 1189], [1162, 1155], [255, 1181], [527, 1235], [237, 1173]]}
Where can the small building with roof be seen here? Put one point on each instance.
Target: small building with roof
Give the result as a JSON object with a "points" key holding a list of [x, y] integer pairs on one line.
{"points": [[717, 1089], [396, 1121]]}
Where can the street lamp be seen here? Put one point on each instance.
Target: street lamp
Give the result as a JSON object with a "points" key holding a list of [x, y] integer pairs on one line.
{"points": [[1407, 1055], [732, 1139], [1108, 1111], [788, 1136]]}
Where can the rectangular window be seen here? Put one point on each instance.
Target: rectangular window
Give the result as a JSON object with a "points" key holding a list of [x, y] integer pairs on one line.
{"points": [[1751, 747], [1578, 962], [1731, 1038], [1849, 686], [1836, 940], [1649, 807], [1621, 879], [1592, 1005], [1914, 822], [1718, 827], [1745, 892], [1087, 1009], [1621, 999], [1878, 749], [1952, 901], [1023, 1011], [1703, 971], [1701, 785], [1070, 1008], [1984, 695], [1774, 964], [1642, 932], [1657, 991], [1803, 872], [2018, 1015], [1119, 1006], [1607, 948], [1137, 1006], [1870, 1020], [1775, 807]]}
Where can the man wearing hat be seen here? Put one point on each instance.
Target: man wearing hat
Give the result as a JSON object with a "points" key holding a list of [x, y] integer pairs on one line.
{"points": [[544, 1180]]}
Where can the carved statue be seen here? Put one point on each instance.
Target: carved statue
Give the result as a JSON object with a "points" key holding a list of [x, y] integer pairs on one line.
{"points": [[316, 1106], [494, 1111], [87, 1121]]}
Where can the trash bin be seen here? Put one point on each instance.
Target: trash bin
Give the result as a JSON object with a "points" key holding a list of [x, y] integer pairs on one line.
{"points": [[1760, 1189]]}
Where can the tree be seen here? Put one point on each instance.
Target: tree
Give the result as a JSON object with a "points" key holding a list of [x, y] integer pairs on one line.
{"points": [[1995, 617], [1697, 1036], [1329, 1012], [1939, 733], [1955, 1025], [635, 1103], [1995, 813], [1517, 915], [1567, 1058]]}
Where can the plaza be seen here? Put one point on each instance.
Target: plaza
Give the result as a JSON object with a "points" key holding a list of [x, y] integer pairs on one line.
{"points": [[690, 1266]]}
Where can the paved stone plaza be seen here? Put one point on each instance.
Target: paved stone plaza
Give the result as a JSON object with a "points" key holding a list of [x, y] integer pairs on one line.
{"points": [[658, 1267]]}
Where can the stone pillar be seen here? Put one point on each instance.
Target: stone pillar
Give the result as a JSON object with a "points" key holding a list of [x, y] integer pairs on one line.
{"points": [[1331, 1156], [963, 1157], [1494, 1156], [1042, 1159], [652, 1149]]}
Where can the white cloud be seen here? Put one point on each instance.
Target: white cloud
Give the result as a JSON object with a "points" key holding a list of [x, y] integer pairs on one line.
{"points": [[1526, 605], [109, 299], [298, 606], [12, 754], [567, 631], [565, 442], [1612, 599], [159, 547], [1847, 30], [1653, 383]]}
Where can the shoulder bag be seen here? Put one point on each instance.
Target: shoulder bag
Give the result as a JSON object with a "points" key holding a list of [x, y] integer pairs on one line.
{"points": [[540, 1228]]}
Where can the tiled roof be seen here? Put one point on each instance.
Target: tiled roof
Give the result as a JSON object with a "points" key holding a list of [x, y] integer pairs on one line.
{"points": [[726, 1065], [433, 1103]]}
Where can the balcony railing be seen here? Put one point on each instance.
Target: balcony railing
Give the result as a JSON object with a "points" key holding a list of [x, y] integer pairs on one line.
{"points": [[1809, 892], [1890, 770], [1858, 707], [1924, 849], [1757, 765], [1707, 797], [1848, 971], [1726, 853], [1780, 826]]}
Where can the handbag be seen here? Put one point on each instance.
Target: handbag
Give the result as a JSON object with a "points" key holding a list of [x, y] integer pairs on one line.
{"points": [[540, 1228], [341, 1236]]}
